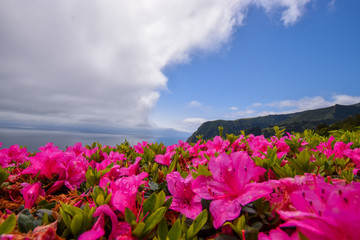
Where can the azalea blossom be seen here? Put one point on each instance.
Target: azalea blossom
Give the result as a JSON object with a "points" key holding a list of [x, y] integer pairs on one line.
{"points": [[75, 171], [200, 160], [46, 164], [119, 230], [326, 212], [133, 169], [164, 159], [284, 187], [124, 192], [218, 144], [13, 154], [257, 145], [230, 185], [139, 148], [281, 146], [278, 234], [194, 150], [31, 192], [185, 200]]}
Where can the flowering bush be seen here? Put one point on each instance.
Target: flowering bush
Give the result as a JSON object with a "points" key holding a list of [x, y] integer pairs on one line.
{"points": [[293, 186]]}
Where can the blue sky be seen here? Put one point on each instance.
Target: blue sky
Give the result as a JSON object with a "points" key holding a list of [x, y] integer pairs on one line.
{"points": [[137, 68], [315, 60]]}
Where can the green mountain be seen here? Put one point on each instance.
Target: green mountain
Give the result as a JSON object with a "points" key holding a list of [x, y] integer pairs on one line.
{"points": [[296, 122]]}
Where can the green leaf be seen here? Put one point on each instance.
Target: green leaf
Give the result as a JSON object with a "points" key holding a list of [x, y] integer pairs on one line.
{"points": [[137, 232], [168, 202], [46, 205], [302, 236], [3, 175], [153, 186], [203, 170], [41, 213], [248, 210], [197, 224], [154, 169], [162, 230], [65, 217], [100, 200], [90, 177], [257, 225], [25, 221], [129, 215], [149, 203], [154, 219], [239, 224], [184, 226], [172, 166], [8, 225], [160, 199], [175, 231], [108, 198], [45, 218], [76, 225]]}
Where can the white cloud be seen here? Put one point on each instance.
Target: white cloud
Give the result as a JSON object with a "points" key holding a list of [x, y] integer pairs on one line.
{"points": [[301, 104], [294, 9], [234, 108], [194, 104], [100, 62], [242, 114], [291, 106], [194, 120], [307, 103], [190, 124], [345, 99], [256, 104], [331, 5]]}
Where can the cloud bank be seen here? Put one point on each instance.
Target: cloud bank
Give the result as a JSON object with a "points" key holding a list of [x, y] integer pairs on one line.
{"points": [[95, 62], [290, 106]]}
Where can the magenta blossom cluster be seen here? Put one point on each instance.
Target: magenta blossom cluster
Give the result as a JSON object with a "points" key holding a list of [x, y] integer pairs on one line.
{"points": [[323, 202]]}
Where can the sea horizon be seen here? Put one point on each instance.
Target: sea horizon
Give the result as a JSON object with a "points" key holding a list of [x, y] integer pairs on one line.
{"points": [[32, 139]]}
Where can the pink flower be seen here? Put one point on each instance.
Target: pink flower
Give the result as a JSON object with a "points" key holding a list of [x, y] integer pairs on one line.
{"points": [[139, 148], [278, 234], [119, 230], [13, 154], [200, 160], [281, 145], [258, 144], [31, 192], [230, 185], [46, 164], [326, 211], [194, 150], [75, 172], [131, 170], [181, 144], [78, 149], [124, 192], [284, 187], [185, 200], [164, 159], [116, 156], [49, 147], [218, 144], [238, 144]]}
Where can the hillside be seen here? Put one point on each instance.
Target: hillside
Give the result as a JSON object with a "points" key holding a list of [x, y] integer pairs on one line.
{"points": [[298, 121]]}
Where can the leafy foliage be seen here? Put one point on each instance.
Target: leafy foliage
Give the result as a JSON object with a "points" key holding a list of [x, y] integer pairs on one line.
{"points": [[234, 187]]}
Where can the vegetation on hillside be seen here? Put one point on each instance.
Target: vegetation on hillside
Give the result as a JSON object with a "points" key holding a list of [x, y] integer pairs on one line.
{"points": [[294, 122]]}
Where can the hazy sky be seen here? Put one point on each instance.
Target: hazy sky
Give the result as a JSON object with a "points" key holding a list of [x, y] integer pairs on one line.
{"points": [[115, 64]]}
